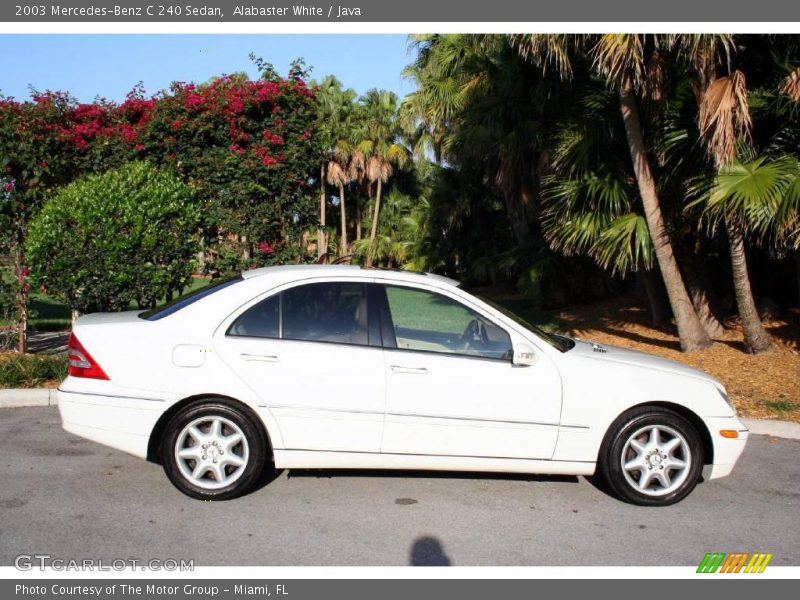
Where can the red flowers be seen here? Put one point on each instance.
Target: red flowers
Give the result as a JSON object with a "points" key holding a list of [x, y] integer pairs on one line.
{"points": [[265, 248], [267, 159], [127, 132], [251, 123], [193, 101], [135, 109]]}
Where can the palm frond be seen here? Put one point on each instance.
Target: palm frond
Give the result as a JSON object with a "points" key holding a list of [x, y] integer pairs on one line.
{"points": [[723, 116], [548, 51], [624, 245], [763, 196], [790, 86], [618, 56]]}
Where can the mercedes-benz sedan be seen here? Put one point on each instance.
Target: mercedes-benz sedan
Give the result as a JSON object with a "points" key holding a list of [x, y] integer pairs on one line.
{"points": [[343, 367]]}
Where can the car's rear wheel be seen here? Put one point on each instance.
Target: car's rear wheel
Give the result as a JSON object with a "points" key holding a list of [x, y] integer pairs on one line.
{"points": [[213, 450], [652, 457]]}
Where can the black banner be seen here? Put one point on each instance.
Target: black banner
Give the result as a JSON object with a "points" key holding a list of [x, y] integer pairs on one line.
{"points": [[448, 11], [731, 587]]}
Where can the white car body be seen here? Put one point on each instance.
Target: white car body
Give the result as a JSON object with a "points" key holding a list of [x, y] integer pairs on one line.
{"points": [[328, 405]]}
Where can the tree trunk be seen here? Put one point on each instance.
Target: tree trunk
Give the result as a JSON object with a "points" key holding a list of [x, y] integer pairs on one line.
{"points": [[797, 264], [358, 219], [702, 307], [656, 298], [22, 322], [756, 339], [343, 215], [690, 330], [22, 294], [373, 232], [358, 212], [697, 285], [322, 241], [517, 218]]}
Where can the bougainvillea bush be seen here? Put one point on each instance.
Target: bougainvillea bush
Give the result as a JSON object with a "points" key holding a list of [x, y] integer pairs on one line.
{"points": [[127, 235], [248, 148]]}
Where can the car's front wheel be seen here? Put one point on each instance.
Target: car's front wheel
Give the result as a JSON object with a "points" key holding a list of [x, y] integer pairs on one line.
{"points": [[652, 457], [213, 450]]}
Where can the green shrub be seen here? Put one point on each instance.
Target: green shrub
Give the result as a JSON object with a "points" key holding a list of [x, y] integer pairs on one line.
{"points": [[107, 240], [30, 370]]}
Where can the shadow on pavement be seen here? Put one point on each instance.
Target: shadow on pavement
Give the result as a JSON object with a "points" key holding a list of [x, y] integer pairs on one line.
{"points": [[399, 473], [427, 551]]}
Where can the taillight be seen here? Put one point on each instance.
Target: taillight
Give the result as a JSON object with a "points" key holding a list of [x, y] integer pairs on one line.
{"points": [[81, 363]]}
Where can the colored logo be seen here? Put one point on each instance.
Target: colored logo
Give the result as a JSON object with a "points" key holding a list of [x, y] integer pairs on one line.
{"points": [[738, 562]]}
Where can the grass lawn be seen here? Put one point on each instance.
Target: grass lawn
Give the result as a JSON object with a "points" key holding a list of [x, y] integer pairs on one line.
{"points": [[50, 314], [47, 314], [429, 312], [414, 310]]}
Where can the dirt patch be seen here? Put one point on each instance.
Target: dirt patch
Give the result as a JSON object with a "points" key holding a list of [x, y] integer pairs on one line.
{"points": [[762, 386]]}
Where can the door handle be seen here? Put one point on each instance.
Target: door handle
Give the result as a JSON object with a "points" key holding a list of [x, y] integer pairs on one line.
{"points": [[409, 370], [259, 357]]}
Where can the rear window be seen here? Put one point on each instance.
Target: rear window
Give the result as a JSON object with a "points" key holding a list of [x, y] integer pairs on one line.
{"points": [[182, 302], [333, 312]]}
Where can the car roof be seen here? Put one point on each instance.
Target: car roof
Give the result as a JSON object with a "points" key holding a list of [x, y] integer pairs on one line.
{"points": [[349, 271]]}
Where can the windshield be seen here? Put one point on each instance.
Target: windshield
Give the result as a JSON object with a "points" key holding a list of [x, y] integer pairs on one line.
{"points": [[177, 304], [559, 342]]}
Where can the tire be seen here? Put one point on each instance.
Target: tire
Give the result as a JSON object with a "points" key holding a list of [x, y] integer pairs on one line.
{"points": [[223, 450], [648, 468]]}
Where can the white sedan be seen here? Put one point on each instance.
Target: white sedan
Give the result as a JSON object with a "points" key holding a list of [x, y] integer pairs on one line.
{"points": [[343, 367]]}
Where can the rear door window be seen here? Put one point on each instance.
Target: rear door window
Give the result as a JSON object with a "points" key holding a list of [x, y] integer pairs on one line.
{"points": [[334, 312]]}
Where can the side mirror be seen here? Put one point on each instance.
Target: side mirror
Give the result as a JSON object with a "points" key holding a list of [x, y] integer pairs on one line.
{"points": [[524, 356]]}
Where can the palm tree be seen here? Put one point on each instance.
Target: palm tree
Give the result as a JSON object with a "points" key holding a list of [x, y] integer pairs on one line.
{"points": [[724, 117], [590, 206], [630, 63], [396, 232], [379, 144], [761, 196], [480, 107], [338, 175], [334, 121], [442, 72]]}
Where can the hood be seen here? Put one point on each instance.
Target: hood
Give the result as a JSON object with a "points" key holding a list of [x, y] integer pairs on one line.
{"points": [[614, 354]]}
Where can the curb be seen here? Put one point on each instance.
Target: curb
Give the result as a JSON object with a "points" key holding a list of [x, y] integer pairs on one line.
{"points": [[773, 427], [19, 398]]}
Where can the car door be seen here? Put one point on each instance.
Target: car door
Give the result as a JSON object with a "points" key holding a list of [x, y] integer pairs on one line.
{"points": [[309, 354], [452, 388]]}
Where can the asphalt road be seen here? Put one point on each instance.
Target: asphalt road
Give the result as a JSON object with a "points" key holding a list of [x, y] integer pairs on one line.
{"points": [[73, 499]]}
